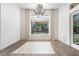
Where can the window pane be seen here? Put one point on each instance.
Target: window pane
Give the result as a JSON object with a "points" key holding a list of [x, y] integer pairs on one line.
{"points": [[39, 27]]}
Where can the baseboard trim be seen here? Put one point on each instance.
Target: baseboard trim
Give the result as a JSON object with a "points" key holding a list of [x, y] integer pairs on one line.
{"points": [[37, 40]]}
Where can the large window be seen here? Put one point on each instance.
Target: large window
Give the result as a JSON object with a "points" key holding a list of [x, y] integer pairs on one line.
{"points": [[76, 28], [38, 27]]}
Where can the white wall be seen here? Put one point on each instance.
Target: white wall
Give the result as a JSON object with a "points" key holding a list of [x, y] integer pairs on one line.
{"points": [[10, 24], [63, 24], [54, 24]]}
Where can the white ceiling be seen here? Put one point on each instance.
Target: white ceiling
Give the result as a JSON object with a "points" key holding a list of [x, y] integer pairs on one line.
{"points": [[45, 6]]}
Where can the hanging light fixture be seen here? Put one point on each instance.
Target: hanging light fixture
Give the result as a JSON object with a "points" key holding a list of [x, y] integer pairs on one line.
{"points": [[39, 10]]}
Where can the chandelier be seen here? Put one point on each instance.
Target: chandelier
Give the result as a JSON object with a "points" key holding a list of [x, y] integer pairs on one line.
{"points": [[39, 10]]}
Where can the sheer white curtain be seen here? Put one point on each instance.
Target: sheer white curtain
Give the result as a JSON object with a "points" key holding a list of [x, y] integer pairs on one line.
{"points": [[24, 29]]}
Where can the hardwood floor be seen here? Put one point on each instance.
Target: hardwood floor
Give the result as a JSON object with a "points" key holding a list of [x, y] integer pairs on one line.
{"points": [[60, 48], [7, 51]]}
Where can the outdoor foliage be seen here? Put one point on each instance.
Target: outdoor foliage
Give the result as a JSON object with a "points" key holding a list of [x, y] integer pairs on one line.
{"points": [[39, 27]]}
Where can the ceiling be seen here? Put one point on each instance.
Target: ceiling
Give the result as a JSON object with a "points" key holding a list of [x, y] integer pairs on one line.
{"points": [[45, 6]]}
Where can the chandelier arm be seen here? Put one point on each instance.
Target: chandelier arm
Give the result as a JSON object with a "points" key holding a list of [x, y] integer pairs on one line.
{"points": [[35, 12]]}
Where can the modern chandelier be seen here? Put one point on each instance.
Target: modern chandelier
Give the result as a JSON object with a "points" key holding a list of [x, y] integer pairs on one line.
{"points": [[39, 10]]}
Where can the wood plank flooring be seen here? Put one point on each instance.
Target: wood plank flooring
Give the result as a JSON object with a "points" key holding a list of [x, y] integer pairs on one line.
{"points": [[60, 48], [11, 48]]}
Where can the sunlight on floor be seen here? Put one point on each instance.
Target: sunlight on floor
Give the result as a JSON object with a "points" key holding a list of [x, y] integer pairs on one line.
{"points": [[35, 48]]}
